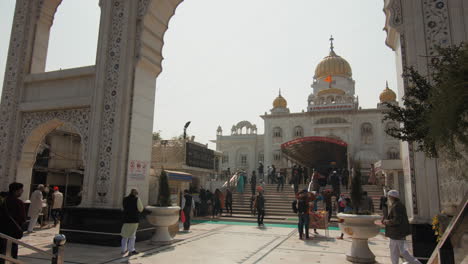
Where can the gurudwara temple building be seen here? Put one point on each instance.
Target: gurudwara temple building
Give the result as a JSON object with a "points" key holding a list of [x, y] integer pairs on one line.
{"points": [[334, 131]]}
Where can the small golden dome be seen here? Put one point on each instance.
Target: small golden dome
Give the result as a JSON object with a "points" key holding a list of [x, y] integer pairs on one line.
{"points": [[387, 95], [280, 102], [331, 91], [333, 65]]}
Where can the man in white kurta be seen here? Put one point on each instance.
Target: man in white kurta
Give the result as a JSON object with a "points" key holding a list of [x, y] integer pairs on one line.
{"points": [[35, 207]]}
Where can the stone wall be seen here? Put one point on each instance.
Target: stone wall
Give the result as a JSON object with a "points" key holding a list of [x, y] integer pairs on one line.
{"points": [[453, 181]]}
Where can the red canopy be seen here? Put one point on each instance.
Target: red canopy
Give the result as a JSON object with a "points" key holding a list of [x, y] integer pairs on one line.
{"points": [[317, 152]]}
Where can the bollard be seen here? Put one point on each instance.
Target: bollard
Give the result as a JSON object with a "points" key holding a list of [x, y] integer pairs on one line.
{"points": [[59, 249]]}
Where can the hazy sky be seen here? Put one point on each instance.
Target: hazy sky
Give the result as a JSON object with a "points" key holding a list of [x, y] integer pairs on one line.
{"points": [[226, 59]]}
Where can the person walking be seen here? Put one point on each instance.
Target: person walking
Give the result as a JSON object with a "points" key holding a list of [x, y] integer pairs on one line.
{"points": [[273, 173], [345, 178], [280, 179], [397, 228], [132, 207], [315, 181], [268, 172], [57, 204], [228, 201], [347, 210], [327, 199], [295, 181], [335, 183], [253, 182], [12, 218], [260, 206], [341, 203], [187, 206], [260, 170], [300, 172], [35, 207], [301, 208], [216, 201]]}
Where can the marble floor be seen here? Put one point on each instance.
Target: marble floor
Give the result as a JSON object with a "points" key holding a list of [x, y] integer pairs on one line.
{"points": [[216, 243]]}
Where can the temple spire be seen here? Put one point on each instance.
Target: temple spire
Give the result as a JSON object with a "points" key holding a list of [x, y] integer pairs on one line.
{"points": [[331, 43]]}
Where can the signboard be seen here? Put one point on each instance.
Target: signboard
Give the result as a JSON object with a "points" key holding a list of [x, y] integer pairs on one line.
{"points": [[137, 169], [199, 156]]}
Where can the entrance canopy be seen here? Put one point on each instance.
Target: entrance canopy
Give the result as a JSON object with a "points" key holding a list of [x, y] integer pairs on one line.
{"points": [[179, 176], [317, 152]]}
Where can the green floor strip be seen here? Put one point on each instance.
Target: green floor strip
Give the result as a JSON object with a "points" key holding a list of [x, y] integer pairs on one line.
{"points": [[255, 224]]}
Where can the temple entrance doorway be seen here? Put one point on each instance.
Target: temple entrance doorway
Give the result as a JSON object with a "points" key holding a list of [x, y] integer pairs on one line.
{"points": [[323, 154]]}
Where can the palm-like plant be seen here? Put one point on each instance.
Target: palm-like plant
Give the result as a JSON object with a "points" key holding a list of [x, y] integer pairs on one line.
{"points": [[356, 188], [164, 196]]}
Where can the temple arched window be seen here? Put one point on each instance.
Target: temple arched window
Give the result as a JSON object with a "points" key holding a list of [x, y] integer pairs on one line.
{"points": [[277, 155], [389, 126], [225, 158], [261, 157], [298, 131], [367, 133], [393, 154], [243, 159], [277, 132]]}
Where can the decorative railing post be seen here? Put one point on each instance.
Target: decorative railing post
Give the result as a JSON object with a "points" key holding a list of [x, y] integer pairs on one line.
{"points": [[59, 249]]}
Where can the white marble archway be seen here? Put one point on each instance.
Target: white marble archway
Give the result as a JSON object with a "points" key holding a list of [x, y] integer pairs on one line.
{"points": [[35, 127]]}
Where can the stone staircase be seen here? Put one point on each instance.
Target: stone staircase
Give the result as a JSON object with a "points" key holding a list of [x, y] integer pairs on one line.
{"points": [[278, 204]]}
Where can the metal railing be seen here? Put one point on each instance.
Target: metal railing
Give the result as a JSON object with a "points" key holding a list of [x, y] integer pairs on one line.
{"points": [[57, 255], [456, 226]]}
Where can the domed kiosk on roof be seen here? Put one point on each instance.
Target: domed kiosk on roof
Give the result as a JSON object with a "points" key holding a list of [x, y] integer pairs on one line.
{"points": [[280, 105], [387, 95], [333, 84]]}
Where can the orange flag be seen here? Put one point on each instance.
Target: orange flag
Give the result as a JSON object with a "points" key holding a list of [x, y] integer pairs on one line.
{"points": [[328, 79]]}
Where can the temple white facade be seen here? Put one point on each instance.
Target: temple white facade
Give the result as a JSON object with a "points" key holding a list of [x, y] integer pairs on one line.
{"points": [[333, 112]]}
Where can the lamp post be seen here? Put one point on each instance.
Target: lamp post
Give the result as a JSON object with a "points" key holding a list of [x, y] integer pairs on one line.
{"points": [[185, 129], [163, 150]]}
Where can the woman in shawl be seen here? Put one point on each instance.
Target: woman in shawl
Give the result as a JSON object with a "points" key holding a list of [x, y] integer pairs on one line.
{"points": [[240, 184]]}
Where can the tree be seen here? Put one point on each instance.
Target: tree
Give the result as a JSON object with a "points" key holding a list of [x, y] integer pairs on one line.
{"points": [[164, 196], [157, 136], [435, 107]]}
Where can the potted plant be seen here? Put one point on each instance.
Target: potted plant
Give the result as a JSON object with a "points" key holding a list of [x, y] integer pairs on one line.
{"points": [[360, 225], [163, 214]]}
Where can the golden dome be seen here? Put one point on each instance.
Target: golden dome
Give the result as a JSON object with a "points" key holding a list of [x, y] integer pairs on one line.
{"points": [[280, 102], [333, 65], [387, 95], [331, 91]]}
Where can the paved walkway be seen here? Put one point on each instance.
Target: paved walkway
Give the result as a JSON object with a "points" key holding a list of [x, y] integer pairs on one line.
{"points": [[220, 242]]}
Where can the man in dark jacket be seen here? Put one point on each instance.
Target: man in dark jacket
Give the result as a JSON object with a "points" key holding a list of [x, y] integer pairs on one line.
{"points": [[228, 201], [397, 228], [132, 207], [301, 207], [187, 206], [12, 218], [260, 206], [260, 170]]}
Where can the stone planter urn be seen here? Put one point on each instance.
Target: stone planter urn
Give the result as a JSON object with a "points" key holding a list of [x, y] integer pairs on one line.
{"points": [[360, 228], [162, 218]]}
